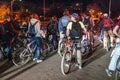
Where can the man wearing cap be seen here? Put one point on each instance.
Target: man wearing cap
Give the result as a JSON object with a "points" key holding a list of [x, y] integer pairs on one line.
{"points": [[80, 28]]}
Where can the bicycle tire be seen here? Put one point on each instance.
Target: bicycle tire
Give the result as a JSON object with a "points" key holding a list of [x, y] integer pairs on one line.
{"points": [[65, 64], [117, 75], [62, 47], [21, 56], [45, 49]]}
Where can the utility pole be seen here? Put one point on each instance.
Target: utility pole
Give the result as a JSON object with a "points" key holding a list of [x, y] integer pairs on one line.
{"points": [[109, 8], [44, 9], [11, 4]]}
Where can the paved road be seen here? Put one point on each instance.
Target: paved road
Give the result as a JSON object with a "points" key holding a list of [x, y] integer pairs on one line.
{"points": [[49, 69]]}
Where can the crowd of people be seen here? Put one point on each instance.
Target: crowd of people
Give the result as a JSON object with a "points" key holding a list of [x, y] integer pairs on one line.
{"points": [[71, 25]]}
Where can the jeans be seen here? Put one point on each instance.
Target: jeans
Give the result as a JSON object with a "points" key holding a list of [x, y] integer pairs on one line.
{"points": [[38, 47], [9, 54], [101, 34], [115, 56]]}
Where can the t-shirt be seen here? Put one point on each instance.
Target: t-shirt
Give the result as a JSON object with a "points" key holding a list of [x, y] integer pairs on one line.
{"points": [[69, 27]]}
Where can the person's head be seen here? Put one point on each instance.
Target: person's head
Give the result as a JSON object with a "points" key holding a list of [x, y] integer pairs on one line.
{"points": [[74, 17], [7, 18], [105, 15], [118, 17], [54, 18], [35, 15], [67, 11]]}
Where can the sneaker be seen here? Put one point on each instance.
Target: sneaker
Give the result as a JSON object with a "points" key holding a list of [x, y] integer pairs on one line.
{"points": [[79, 66], [112, 45], [109, 73], [39, 61], [34, 59]]}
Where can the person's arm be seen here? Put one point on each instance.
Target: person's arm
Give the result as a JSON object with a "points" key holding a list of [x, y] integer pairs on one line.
{"points": [[115, 31], [83, 27]]}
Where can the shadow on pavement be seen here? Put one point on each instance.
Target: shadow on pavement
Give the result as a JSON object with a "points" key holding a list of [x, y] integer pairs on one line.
{"points": [[96, 55], [18, 69], [5, 65]]}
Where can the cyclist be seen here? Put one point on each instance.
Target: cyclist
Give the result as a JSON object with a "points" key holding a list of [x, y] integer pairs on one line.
{"points": [[36, 35], [106, 25], [75, 32], [62, 24], [116, 52], [52, 30]]}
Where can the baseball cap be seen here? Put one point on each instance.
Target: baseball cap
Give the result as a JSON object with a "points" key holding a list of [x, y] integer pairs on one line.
{"points": [[75, 15]]}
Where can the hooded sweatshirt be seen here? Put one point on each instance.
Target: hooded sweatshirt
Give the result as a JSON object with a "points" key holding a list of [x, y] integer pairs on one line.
{"points": [[39, 33]]}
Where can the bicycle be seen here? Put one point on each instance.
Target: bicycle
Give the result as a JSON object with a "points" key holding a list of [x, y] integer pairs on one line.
{"points": [[17, 43], [69, 54], [62, 47], [24, 54], [87, 44]]}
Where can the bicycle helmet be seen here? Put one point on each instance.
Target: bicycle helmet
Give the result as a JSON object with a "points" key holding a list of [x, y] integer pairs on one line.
{"points": [[105, 15]]}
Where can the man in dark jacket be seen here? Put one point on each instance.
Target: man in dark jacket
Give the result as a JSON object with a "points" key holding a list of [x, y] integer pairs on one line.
{"points": [[9, 31]]}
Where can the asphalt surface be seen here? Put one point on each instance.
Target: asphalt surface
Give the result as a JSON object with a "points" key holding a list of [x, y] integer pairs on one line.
{"points": [[93, 68]]}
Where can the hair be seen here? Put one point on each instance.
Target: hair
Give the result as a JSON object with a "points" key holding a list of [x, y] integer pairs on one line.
{"points": [[34, 15]]}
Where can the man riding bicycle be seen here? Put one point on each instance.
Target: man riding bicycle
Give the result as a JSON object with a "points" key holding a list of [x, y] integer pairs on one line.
{"points": [[116, 52], [62, 24], [106, 24], [75, 32]]}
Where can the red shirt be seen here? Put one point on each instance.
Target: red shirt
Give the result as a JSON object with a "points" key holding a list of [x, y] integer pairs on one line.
{"points": [[118, 23]]}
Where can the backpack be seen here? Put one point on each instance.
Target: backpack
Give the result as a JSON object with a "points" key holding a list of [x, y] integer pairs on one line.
{"points": [[106, 23], [32, 29], [76, 31]]}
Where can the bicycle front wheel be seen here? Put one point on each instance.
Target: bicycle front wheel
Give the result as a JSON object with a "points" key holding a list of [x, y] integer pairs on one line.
{"points": [[117, 75], [66, 63], [21, 56]]}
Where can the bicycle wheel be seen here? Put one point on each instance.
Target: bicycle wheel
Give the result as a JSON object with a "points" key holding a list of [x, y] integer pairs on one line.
{"points": [[66, 63], [117, 75], [45, 48], [21, 56], [62, 48]]}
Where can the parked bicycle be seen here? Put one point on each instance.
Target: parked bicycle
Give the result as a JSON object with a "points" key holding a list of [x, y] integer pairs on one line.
{"points": [[24, 54]]}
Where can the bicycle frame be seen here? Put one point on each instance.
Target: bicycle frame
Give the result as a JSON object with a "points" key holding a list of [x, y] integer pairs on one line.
{"points": [[29, 46]]}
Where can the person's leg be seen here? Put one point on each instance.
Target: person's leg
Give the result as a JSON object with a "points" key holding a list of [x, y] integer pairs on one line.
{"points": [[111, 37], [60, 41], [38, 46], [79, 57], [113, 61], [8, 48], [101, 35]]}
